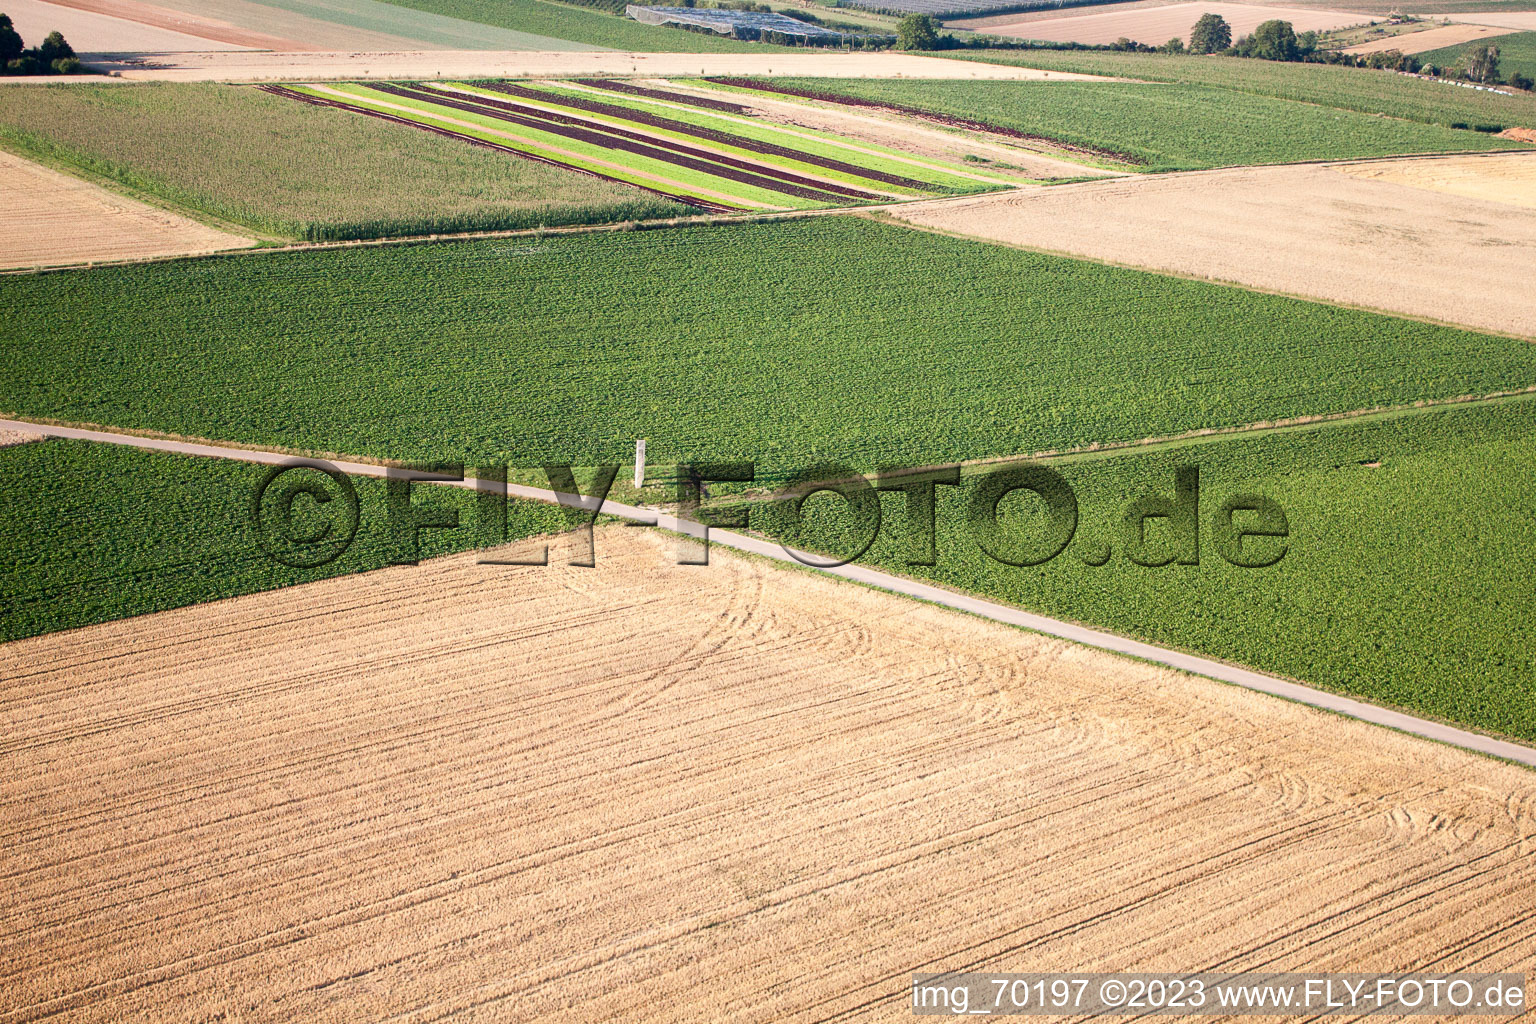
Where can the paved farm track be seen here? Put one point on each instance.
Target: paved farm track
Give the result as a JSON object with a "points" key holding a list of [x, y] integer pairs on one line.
{"points": [[653, 792]]}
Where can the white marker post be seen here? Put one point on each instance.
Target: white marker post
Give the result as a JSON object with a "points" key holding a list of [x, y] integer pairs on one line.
{"points": [[639, 463]]}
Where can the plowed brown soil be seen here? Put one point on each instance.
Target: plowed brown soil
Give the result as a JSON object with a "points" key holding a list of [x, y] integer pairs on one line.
{"points": [[649, 792]]}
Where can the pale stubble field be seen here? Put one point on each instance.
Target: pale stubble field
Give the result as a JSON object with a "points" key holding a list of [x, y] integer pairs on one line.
{"points": [[653, 792]]}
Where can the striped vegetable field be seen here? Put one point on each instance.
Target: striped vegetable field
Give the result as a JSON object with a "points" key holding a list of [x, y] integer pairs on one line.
{"points": [[707, 153]]}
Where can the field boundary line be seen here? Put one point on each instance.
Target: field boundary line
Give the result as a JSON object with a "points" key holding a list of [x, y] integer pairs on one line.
{"points": [[16, 146], [884, 215], [268, 244], [1317, 421], [1195, 665], [705, 220]]}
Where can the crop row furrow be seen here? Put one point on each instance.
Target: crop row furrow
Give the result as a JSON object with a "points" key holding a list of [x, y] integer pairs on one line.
{"points": [[668, 95], [695, 201], [591, 137], [712, 135], [948, 120], [554, 117]]}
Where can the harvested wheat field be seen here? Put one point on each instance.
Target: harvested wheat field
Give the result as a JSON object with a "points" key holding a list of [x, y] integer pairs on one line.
{"points": [[1501, 178], [309, 67], [1525, 21], [112, 27], [650, 792], [53, 219], [1430, 39], [1321, 232], [1154, 25]]}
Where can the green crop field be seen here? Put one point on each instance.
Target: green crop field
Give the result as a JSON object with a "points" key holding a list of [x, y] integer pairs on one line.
{"points": [[817, 142], [1517, 54], [300, 171], [1357, 89], [91, 532], [1406, 577], [584, 25], [725, 164], [1169, 127], [786, 341]]}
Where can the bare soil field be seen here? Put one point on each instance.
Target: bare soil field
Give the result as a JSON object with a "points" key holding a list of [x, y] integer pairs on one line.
{"points": [[1504, 178], [364, 25], [1321, 232], [1154, 25], [984, 23], [309, 67], [194, 22], [11, 438], [1430, 39], [650, 792], [53, 219], [1524, 21], [111, 28]]}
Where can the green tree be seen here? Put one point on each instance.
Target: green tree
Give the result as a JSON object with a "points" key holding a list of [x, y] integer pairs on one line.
{"points": [[1274, 40], [54, 48], [10, 42], [1210, 34], [1174, 45], [26, 64], [1481, 64], [917, 32]]}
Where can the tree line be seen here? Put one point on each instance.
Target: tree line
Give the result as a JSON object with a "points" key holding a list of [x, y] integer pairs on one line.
{"points": [[53, 57], [1272, 40]]}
